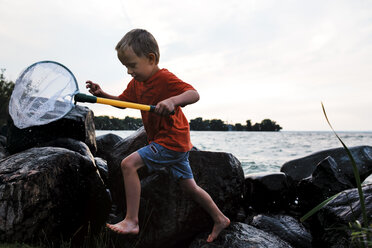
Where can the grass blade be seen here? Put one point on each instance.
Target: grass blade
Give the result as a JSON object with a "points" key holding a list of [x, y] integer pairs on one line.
{"points": [[356, 173], [318, 207]]}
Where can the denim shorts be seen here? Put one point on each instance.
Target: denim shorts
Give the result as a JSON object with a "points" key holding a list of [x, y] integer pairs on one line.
{"points": [[156, 157]]}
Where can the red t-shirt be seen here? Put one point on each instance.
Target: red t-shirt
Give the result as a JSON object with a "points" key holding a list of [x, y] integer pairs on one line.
{"points": [[173, 131]]}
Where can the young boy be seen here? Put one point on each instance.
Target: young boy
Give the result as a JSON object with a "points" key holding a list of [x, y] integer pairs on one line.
{"points": [[168, 134]]}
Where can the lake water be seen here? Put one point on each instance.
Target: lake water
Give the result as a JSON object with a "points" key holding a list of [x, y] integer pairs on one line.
{"points": [[268, 151]]}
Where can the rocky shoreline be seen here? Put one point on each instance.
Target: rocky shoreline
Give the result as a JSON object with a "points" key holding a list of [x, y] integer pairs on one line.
{"points": [[58, 181]]}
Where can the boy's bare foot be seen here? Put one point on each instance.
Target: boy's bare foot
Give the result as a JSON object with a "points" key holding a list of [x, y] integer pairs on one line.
{"points": [[124, 227], [217, 228]]}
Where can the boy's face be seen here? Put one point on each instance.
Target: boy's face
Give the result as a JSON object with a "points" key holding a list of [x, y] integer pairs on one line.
{"points": [[140, 68]]}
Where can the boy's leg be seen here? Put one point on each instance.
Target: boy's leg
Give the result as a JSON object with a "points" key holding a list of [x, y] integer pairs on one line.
{"points": [[204, 199], [129, 167]]}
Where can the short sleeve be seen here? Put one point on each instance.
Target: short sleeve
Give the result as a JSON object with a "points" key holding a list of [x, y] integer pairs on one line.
{"points": [[176, 86], [129, 93]]}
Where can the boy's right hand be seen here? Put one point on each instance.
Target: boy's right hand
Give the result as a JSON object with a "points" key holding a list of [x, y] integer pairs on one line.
{"points": [[94, 89]]}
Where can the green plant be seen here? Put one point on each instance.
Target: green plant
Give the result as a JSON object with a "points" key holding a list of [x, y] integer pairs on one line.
{"points": [[360, 236]]}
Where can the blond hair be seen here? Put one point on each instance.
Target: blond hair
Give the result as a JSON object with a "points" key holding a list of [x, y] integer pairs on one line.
{"points": [[141, 41]]}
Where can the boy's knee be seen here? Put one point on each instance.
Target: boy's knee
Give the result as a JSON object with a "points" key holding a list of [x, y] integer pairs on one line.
{"points": [[126, 165], [131, 162]]}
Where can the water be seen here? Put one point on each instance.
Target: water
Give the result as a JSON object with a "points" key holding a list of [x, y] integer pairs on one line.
{"points": [[268, 151]]}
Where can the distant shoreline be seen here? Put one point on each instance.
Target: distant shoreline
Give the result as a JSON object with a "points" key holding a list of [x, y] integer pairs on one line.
{"points": [[197, 124]]}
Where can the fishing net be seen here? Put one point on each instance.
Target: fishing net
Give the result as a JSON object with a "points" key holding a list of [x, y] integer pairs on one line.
{"points": [[43, 93]]}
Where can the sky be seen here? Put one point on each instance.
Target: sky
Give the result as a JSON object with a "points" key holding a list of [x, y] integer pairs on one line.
{"points": [[249, 60]]}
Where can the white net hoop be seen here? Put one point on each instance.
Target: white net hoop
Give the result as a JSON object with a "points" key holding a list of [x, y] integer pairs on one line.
{"points": [[43, 93]]}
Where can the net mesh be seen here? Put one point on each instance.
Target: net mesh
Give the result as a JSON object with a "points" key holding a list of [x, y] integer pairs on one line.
{"points": [[43, 93]]}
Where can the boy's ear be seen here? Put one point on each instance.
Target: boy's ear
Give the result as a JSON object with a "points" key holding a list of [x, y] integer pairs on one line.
{"points": [[152, 58]]}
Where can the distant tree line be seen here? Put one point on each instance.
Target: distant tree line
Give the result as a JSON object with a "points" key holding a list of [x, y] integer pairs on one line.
{"points": [[113, 123], [198, 124]]}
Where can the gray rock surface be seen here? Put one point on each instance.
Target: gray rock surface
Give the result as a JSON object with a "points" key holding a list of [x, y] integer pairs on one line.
{"points": [[50, 192]]}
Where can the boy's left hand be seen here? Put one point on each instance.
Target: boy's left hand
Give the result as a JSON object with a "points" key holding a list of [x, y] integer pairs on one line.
{"points": [[165, 107]]}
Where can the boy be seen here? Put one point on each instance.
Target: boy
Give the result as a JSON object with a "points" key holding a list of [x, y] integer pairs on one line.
{"points": [[168, 134]]}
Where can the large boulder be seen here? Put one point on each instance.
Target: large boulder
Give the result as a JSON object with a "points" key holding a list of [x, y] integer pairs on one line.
{"points": [[222, 176], [303, 167], [77, 124], [83, 149], [50, 192], [240, 235]]}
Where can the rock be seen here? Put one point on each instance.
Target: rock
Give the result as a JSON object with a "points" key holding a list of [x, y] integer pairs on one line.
{"points": [[285, 227], [346, 207], [167, 216], [77, 124], [240, 235], [335, 217], [50, 192], [102, 168], [303, 167], [328, 175], [3, 151], [71, 144], [83, 149], [266, 191], [222, 176], [325, 181]]}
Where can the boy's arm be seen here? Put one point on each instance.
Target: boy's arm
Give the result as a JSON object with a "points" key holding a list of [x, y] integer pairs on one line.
{"points": [[168, 105], [96, 90]]}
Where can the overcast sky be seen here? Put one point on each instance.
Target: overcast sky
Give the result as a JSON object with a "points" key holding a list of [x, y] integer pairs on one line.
{"points": [[249, 60]]}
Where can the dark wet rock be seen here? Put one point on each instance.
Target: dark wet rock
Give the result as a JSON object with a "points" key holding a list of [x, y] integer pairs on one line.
{"points": [[102, 168], [50, 192], [72, 145], [303, 167], [83, 149], [222, 176], [286, 227], [266, 191], [326, 180], [77, 124], [240, 235], [346, 207]]}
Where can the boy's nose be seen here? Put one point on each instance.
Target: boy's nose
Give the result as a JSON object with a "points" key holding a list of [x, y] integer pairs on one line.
{"points": [[129, 71]]}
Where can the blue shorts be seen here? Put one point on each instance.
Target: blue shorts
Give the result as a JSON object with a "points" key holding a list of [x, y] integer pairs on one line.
{"points": [[156, 157]]}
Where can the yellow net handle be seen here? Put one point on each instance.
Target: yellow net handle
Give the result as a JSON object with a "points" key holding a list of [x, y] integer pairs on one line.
{"points": [[122, 104]]}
